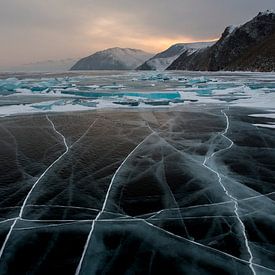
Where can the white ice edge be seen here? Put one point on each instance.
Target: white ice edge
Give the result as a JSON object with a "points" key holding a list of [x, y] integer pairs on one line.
{"points": [[270, 126], [272, 115]]}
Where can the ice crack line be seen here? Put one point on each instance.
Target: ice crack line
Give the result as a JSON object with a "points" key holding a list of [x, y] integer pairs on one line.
{"points": [[33, 187], [231, 197], [86, 132], [78, 270]]}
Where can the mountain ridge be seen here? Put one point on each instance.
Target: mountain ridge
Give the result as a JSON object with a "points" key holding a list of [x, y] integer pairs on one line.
{"points": [[162, 60], [115, 58], [249, 47]]}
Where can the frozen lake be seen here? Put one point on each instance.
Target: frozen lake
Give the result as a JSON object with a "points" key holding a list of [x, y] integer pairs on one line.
{"points": [[137, 173]]}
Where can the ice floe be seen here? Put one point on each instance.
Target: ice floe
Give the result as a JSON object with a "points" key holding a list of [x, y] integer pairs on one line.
{"points": [[136, 89]]}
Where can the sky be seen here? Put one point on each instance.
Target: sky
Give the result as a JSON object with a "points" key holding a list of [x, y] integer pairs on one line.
{"points": [[38, 30]]}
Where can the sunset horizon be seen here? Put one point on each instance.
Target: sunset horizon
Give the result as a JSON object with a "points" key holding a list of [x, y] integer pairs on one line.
{"points": [[56, 30]]}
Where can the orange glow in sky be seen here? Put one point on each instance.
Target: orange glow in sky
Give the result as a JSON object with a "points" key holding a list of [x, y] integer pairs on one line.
{"points": [[33, 30]]}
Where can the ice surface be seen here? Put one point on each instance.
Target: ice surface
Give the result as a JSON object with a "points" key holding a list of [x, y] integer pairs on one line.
{"points": [[135, 89], [158, 187]]}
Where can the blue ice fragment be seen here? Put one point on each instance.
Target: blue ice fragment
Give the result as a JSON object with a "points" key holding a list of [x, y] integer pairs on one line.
{"points": [[256, 86], [85, 103], [38, 89], [155, 77], [204, 92], [48, 106], [155, 95], [43, 107], [127, 103], [198, 80], [10, 84]]}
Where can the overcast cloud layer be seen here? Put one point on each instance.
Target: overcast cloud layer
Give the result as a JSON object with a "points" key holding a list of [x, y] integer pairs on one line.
{"points": [[35, 30]]}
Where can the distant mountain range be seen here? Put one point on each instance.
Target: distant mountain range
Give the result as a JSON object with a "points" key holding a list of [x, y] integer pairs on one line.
{"points": [[44, 66], [113, 59], [164, 59], [249, 47]]}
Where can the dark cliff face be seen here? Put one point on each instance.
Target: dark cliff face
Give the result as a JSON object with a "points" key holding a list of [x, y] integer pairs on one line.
{"points": [[248, 47]]}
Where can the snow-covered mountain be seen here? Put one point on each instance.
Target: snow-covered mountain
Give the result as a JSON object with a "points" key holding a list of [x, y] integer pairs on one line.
{"points": [[164, 59], [113, 59], [248, 47]]}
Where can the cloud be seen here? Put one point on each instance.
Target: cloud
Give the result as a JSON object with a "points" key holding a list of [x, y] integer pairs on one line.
{"points": [[34, 30]]}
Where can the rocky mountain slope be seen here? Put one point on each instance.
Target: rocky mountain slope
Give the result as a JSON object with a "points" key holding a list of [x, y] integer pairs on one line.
{"points": [[249, 47], [113, 59], [164, 59]]}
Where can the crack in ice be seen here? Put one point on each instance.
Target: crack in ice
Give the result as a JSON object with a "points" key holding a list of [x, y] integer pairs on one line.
{"points": [[207, 247], [85, 133], [232, 200], [33, 187], [231, 197], [104, 206], [153, 214], [7, 220], [156, 227]]}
